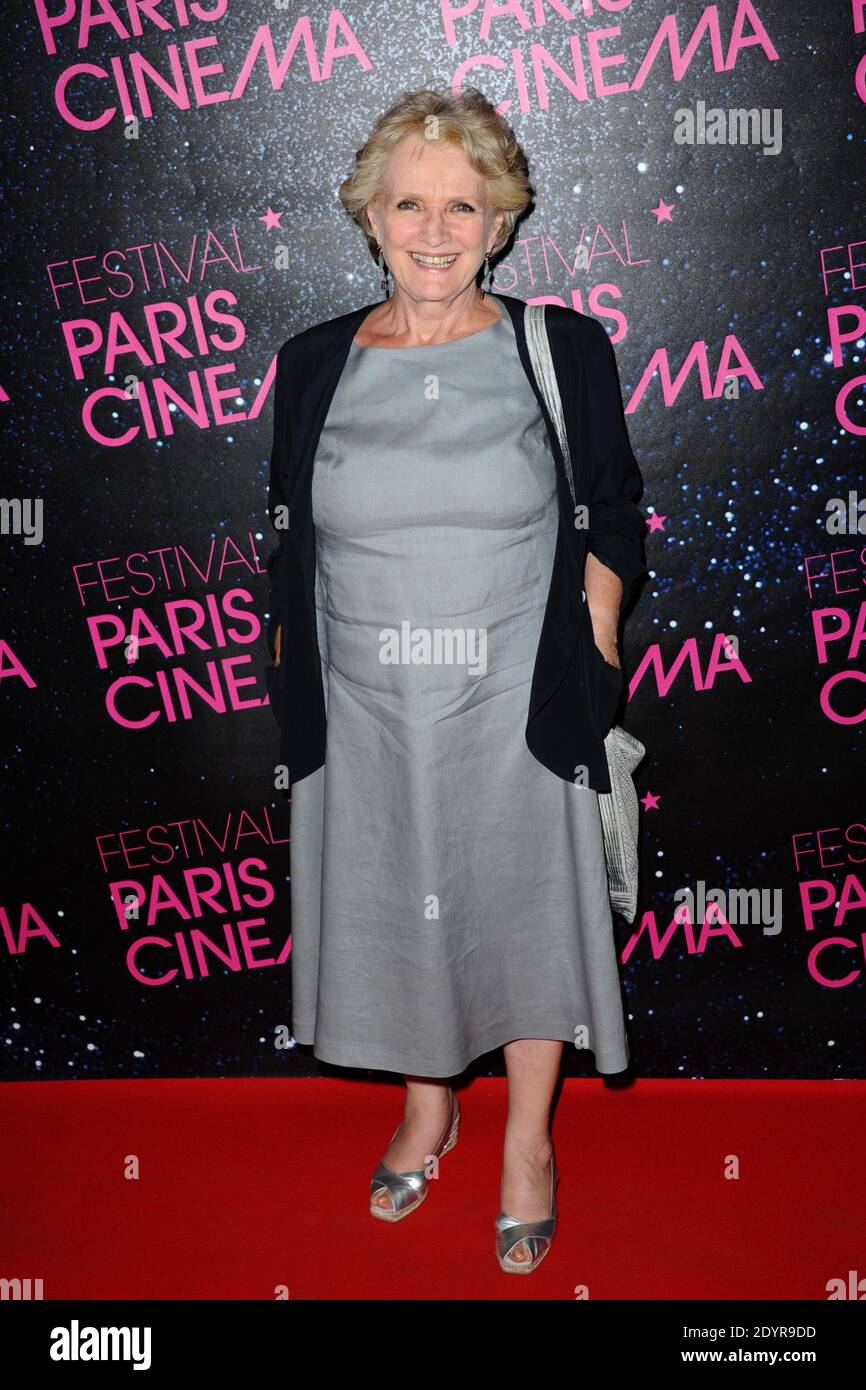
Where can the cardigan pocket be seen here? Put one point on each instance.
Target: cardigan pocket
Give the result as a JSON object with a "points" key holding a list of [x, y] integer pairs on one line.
{"points": [[607, 687]]}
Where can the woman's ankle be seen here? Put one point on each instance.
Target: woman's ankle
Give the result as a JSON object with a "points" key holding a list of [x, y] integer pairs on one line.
{"points": [[530, 1146], [422, 1105]]}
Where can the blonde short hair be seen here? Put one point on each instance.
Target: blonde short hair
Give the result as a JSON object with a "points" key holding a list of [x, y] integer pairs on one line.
{"points": [[469, 121]]}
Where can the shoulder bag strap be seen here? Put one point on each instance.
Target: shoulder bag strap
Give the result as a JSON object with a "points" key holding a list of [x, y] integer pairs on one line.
{"points": [[538, 345]]}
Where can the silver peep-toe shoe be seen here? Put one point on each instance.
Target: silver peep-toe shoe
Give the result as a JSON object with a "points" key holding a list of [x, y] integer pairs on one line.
{"points": [[408, 1190], [538, 1235]]}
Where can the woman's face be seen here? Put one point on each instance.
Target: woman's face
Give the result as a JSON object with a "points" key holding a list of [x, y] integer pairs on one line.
{"points": [[433, 204]]}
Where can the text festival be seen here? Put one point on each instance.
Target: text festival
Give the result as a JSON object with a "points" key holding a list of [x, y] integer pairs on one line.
{"points": [[183, 331], [188, 919]]}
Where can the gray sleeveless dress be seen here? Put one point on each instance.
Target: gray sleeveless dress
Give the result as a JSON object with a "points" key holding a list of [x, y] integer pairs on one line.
{"points": [[448, 892]]}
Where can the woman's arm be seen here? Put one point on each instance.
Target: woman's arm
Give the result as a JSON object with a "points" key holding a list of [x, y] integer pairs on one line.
{"points": [[615, 553], [604, 597]]}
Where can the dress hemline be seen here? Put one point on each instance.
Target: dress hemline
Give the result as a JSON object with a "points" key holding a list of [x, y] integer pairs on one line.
{"points": [[336, 1055]]}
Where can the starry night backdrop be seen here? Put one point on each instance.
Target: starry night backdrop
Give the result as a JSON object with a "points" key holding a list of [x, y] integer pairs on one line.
{"points": [[718, 245]]}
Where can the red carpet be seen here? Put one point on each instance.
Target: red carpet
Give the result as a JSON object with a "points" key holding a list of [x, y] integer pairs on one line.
{"points": [[249, 1184]]}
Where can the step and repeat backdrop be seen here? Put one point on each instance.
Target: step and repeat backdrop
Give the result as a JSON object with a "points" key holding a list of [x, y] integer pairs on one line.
{"points": [[170, 218]]}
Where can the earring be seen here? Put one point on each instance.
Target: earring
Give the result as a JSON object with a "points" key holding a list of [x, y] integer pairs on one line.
{"points": [[484, 274], [386, 293]]}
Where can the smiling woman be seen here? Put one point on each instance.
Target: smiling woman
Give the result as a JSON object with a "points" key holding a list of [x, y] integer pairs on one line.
{"points": [[448, 878], [432, 242], [432, 214]]}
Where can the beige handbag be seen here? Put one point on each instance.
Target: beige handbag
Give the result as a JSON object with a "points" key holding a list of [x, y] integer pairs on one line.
{"points": [[619, 806]]}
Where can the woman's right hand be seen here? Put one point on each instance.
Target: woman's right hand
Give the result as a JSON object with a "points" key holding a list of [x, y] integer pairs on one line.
{"points": [[277, 644]]}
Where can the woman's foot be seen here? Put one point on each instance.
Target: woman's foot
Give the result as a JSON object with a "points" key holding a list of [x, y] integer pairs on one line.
{"points": [[424, 1119], [525, 1186]]}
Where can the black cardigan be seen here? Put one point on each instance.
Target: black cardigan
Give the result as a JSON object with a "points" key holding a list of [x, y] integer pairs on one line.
{"points": [[575, 692]]}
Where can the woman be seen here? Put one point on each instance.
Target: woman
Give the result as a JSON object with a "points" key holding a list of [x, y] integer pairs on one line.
{"points": [[444, 613]]}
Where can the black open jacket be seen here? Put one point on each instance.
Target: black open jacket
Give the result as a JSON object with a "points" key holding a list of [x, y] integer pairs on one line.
{"points": [[575, 693]]}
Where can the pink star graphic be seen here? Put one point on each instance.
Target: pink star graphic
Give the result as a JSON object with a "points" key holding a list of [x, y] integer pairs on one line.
{"points": [[662, 212], [650, 802], [271, 219], [655, 522]]}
